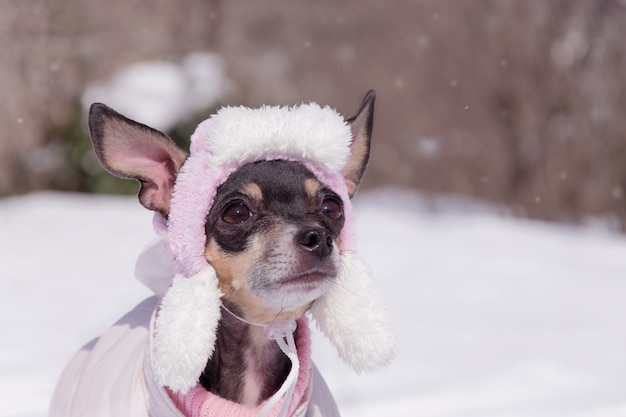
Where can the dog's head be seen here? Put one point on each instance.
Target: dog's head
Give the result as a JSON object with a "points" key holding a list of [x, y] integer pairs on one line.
{"points": [[272, 236], [272, 231]]}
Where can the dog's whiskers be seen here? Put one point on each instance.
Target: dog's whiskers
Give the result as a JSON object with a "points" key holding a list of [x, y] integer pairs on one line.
{"points": [[339, 284]]}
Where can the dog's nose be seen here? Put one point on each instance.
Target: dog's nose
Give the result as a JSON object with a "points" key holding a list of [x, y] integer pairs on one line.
{"points": [[316, 240]]}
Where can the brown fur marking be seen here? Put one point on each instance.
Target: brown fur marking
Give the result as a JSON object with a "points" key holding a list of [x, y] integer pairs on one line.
{"points": [[232, 271], [312, 187], [252, 191]]}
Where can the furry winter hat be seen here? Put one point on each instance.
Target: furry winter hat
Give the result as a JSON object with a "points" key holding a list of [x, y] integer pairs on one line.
{"points": [[350, 314]]}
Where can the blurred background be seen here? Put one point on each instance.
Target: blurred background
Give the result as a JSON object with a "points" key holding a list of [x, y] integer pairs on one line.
{"points": [[485, 109], [519, 103]]}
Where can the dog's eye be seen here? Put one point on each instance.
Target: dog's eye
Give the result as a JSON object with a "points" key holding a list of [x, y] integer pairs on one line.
{"points": [[236, 213], [331, 208]]}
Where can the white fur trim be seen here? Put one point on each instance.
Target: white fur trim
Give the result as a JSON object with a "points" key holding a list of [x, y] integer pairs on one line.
{"points": [[352, 316], [307, 132], [185, 330]]}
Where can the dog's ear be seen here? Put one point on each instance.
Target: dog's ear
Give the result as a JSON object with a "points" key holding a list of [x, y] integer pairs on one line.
{"points": [[361, 125], [131, 150]]}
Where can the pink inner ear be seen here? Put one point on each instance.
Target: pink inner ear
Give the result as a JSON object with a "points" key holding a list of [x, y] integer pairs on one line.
{"points": [[361, 128], [157, 193], [147, 156], [359, 154]]}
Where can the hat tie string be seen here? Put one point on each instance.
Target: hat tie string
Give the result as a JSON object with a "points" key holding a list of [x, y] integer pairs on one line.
{"points": [[282, 332]]}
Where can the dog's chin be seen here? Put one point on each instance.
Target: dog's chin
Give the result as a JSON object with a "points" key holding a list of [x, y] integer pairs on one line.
{"points": [[292, 291]]}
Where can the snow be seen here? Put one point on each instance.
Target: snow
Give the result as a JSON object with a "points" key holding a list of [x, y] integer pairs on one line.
{"points": [[495, 316]]}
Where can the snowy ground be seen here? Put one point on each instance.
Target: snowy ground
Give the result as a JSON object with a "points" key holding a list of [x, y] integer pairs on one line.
{"points": [[495, 317]]}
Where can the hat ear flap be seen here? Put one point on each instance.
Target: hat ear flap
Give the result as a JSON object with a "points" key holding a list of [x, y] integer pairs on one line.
{"points": [[352, 316], [185, 330]]}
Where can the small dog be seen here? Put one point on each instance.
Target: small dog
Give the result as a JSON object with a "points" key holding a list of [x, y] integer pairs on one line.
{"points": [[271, 235]]}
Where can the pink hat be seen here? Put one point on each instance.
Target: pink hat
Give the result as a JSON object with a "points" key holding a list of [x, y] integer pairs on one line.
{"points": [[350, 314]]}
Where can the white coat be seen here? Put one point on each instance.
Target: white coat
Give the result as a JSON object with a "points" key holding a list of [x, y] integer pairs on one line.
{"points": [[111, 377]]}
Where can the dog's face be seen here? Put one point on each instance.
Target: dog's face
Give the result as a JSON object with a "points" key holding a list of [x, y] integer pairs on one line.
{"points": [[272, 238], [272, 230]]}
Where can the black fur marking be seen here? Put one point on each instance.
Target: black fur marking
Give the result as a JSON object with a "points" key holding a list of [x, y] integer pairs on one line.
{"points": [[223, 373], [284, 195]]}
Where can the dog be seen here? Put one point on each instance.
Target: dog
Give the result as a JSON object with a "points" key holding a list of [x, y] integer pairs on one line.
{"points": [[273, 228]]}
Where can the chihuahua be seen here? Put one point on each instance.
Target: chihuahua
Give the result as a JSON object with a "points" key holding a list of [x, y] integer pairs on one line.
{"points": [[271, 236]]}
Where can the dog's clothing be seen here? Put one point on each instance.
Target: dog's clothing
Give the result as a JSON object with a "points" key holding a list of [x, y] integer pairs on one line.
{"points": [[111, 377], [200, 403], [164, 344]]}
